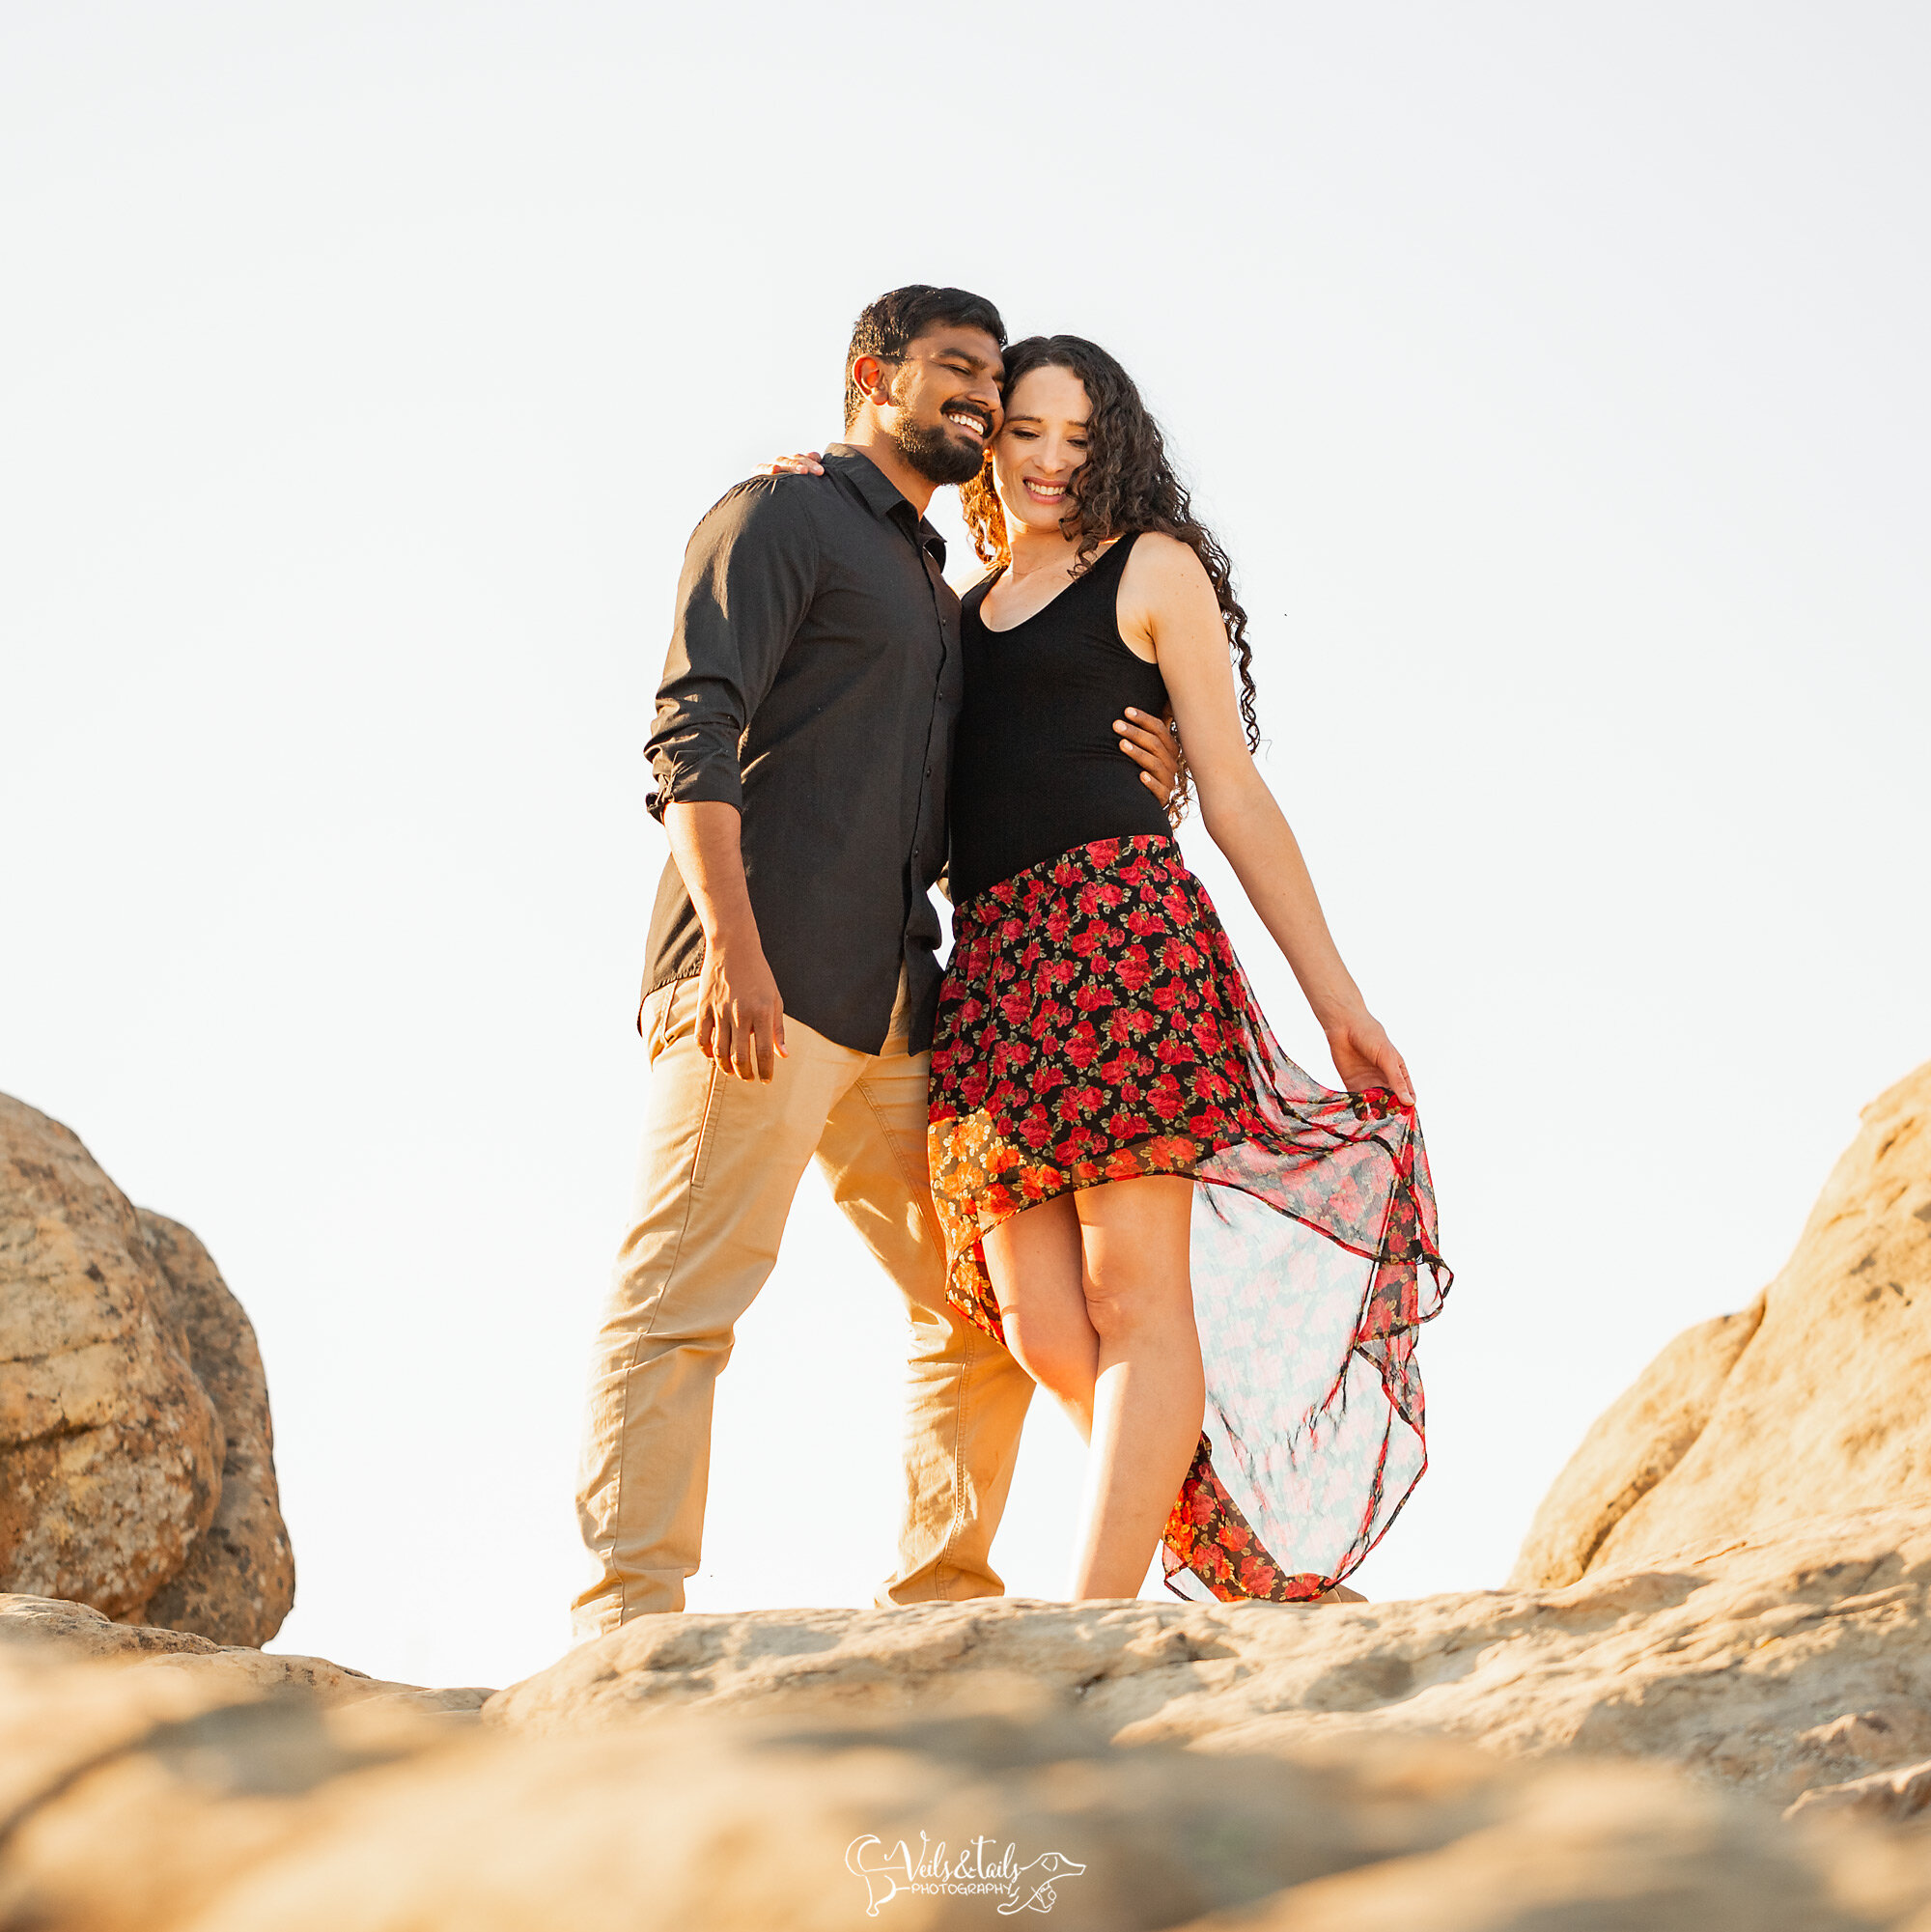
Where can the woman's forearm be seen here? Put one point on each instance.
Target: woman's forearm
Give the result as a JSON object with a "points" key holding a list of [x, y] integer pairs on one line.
{"points": [[1260, 845]]}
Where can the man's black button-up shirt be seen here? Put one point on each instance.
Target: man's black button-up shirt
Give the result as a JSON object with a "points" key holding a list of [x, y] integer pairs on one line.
{"points": [[813, 681]]}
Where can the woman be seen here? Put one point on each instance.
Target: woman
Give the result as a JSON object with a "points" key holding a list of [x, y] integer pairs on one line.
{"points": [[1158, 1212]]}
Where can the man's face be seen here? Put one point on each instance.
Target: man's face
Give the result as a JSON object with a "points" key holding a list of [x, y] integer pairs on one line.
{"points": [[945, 402]]}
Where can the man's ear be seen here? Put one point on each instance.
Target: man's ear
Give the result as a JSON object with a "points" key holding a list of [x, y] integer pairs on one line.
{"points": [[868, 373]]}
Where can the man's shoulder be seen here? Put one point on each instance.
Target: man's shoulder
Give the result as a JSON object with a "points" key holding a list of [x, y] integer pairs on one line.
{"points": [[767, 504]]}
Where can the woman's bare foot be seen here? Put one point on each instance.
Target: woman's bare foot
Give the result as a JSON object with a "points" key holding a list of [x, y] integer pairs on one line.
{"points": [[1340, 1594]]}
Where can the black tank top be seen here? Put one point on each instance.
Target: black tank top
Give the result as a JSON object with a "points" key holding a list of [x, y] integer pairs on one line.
{"points": [[1037, 767]]}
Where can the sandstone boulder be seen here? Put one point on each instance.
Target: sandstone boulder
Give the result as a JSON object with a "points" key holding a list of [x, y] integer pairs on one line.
{"points": [[1812, 1401], [136, 1467], [1632, 1447], [239, 1581], [1780, 1663], [110, 1451], [133, 1799]]}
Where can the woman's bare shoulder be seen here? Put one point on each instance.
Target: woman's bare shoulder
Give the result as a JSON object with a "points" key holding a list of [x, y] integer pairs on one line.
{"points": [[1162, 572], [1156, 548]]}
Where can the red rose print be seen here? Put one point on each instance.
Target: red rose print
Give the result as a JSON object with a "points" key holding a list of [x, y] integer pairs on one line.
{"points": [[1167, 1099]]}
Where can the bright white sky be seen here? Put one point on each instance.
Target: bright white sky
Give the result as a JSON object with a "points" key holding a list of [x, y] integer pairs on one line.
{"points": [[1555, 375]]}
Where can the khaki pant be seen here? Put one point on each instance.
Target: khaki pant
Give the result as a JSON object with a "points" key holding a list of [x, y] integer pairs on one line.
{"points": [[720, 1162]]}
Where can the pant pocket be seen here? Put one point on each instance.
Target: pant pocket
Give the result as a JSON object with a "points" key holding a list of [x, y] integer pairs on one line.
{"points": [[670, 1010], [707, 1128]]}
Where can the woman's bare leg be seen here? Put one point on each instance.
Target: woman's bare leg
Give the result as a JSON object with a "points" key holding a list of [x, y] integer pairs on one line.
{"points": [[1150, 1392], [1037, 1267], [1095, 1295]]}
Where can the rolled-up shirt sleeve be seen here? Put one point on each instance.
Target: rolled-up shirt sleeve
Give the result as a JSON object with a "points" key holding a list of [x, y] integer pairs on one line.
{"points": [[749, 575]]}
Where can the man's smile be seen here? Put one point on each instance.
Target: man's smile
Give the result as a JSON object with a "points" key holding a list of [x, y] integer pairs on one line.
{"points": [[977, 423]]}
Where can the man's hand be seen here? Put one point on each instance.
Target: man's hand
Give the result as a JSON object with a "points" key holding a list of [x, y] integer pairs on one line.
{"points": [[1364, 1056], [806, 462], [1149, 741], [739, 1010]]}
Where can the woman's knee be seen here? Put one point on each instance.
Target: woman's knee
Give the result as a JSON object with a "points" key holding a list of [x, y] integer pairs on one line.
{"points": [[1060, 1358], [1124, 1301]]}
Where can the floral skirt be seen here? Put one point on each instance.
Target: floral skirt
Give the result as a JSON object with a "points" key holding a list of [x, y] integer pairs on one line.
{"points": [[1094, 1027]]}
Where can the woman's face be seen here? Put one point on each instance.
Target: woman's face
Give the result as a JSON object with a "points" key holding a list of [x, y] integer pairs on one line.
{"points": [[1040, 444]]}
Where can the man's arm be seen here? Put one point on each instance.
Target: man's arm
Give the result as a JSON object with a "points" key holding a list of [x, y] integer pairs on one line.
{"points": [[747, 582], [740, 1010]]}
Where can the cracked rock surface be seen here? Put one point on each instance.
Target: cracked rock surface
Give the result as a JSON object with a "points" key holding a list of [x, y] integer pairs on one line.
{"points": [[1779, 1663], [149, 1797]]}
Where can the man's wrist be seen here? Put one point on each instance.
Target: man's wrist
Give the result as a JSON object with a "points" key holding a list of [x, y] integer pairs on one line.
{"points": [[732, 933]]}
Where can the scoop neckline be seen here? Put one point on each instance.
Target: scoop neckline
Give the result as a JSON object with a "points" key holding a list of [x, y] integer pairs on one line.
{"points": [[996, 631]]}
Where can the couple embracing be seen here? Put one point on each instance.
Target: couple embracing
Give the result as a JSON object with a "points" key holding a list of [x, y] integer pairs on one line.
{"points": [[1077, 1151]]}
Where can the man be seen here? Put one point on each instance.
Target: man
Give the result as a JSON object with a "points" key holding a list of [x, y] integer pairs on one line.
{"points": [[801, 749]]}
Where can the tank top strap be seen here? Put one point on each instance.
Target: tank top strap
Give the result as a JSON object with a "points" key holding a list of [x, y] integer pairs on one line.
{"points": [[1115, 557]]}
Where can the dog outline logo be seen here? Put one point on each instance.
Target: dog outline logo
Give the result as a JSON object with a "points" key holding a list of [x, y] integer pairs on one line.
{"points": [[880, 1887], [1039, 1875]]}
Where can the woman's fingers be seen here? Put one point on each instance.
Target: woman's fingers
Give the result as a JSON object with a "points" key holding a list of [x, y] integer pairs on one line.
{"points": [[1364, 1056], [1394, 1070]]}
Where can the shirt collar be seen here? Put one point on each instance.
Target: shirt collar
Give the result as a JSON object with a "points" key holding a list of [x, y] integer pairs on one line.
{"points": [[883, 498]]}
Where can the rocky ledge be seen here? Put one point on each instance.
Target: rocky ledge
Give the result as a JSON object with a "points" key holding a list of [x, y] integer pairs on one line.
{"points": [[1704, 1702], [1786, 1666]]}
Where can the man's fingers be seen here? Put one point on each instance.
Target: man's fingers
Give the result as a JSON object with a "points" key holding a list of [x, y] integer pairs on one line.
{"points": [[728, 1045], [743, 1046], [1148, 743], [770, 1043], [744, 1041], [1151, 746]]}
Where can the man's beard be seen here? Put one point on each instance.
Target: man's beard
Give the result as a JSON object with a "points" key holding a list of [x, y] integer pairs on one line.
{"points": [[938, 456]]}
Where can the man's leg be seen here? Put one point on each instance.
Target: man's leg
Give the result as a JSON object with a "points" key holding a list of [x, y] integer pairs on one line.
{"points": [[720, 1162], [966, 1396]]}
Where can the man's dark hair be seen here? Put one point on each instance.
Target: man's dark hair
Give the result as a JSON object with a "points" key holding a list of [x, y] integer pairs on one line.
{"points": [[890, 326]]}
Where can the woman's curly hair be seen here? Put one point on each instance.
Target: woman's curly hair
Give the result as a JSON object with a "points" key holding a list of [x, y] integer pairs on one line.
{"points": [[1124, 485]]}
